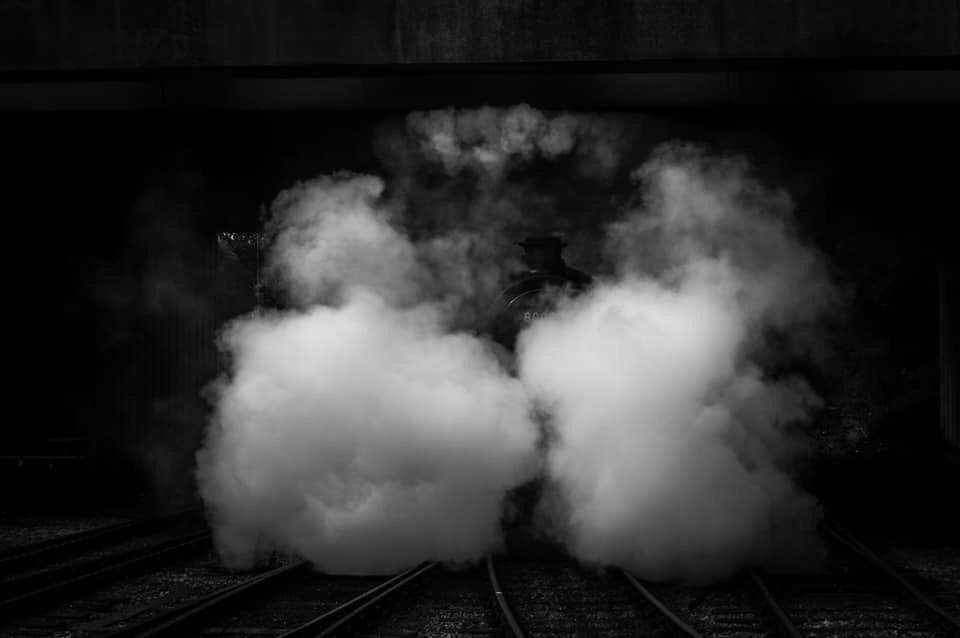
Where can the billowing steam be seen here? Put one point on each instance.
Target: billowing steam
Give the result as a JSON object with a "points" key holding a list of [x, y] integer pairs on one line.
{"points": [[367, 429], [492, 175], [491, 139], [670, 442], [360, 432]]}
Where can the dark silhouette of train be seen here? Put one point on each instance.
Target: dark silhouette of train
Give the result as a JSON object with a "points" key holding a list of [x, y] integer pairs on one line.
{"points": [[531, 293]]}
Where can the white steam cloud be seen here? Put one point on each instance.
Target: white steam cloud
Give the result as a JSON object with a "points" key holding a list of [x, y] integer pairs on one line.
{"points": [[670, 442], [365, 430], [359, 431]]}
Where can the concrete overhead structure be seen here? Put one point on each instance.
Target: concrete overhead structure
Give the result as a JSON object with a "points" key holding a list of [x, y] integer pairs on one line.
{"points": [[115, 34]]}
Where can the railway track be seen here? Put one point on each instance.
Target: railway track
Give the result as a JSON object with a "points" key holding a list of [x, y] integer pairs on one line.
{"points": [[287, 601], [37, 588], [861, 594], [61, 567], [14, 558], [731, 608], [425, 600], [858, 595], [560, 598], [934, 569], [895, 604], [452, 604], [565, 599], [128, 598]]}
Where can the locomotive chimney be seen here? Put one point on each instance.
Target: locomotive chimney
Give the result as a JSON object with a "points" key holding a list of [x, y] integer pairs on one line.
{"points": [[543, 253]]}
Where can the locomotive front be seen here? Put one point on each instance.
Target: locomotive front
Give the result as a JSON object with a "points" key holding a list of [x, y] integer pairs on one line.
{"points": [[532, 292]]}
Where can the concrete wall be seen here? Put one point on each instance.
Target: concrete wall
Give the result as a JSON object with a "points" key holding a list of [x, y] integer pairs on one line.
{"points": [[86, 34]]}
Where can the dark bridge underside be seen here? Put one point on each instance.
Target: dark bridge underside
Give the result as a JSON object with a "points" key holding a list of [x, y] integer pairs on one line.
{"points": [[114, 34], [548, 85], [246, 54]]}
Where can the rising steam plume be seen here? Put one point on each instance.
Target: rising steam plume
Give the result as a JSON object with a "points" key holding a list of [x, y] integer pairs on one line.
{"points": [[371, 425], [357, 429], [671, 442], [493, 140]]}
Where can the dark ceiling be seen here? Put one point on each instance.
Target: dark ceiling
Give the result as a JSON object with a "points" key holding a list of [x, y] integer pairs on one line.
{"points": [[112, 34], [72, 55]]}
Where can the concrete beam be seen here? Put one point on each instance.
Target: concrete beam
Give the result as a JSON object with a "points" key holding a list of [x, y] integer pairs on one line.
{"points": [[436, 88], [116, 34]]}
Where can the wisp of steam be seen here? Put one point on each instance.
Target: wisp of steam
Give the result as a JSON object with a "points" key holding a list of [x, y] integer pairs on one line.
{"points": [[670, 442], [367, 429]]}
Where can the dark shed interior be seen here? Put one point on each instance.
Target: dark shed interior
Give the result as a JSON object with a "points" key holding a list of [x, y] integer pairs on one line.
{"points": [[145, 143]]}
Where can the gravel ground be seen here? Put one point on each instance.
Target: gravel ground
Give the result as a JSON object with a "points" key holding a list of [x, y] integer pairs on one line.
{"points": [[848, 599], [17, 529], [78, 560], [446, 605], [727, 609], [291, 604], [561, 598], [132, 600], [552, 596], [934, 569]]}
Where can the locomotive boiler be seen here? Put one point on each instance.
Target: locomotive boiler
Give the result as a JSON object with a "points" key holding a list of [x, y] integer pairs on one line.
{"points": [[531, 293]]}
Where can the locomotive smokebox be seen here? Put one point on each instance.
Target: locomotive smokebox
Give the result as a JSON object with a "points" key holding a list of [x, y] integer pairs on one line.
{"points": [[543, 253], [532, 293]]}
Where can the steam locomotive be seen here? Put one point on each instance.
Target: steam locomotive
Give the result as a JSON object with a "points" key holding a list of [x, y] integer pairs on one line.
{"points": [[530, 293]]}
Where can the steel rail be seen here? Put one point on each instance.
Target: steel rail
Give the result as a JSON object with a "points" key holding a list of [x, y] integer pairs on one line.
{"points": [[59, 582], [784, 622], [63, 573], [659, 606], [506, 613], [327, 624], [39, 579], [185, 615], [848, 540], [42, 549], [60, 545]]}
